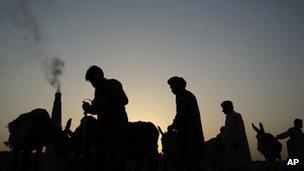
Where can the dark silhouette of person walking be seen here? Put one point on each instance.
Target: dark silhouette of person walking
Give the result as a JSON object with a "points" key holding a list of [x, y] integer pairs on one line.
{"points": [[295, 144], [236, 149], [187, 123], [109, 106]]}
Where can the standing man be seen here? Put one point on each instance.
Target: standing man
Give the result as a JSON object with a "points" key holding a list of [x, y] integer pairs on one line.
{"points": [[187, 123], [236, 149], [295, 144], [109, 106]]}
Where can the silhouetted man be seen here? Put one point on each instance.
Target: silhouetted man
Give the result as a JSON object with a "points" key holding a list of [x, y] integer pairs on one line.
{"points": [[236, 149], [187, 123], [109, 106], [295, 144]]}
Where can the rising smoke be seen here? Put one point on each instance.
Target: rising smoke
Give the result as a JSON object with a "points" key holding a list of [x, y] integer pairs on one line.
{"points": [[28, 20], [53, 70], [21, 15]]}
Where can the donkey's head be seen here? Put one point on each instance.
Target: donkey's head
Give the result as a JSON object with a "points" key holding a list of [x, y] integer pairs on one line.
{"points": [[259, 131], [268, 145]]}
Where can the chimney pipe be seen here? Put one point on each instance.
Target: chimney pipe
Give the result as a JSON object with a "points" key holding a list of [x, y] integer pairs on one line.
{"points": [[56, 112], [55, 118]]}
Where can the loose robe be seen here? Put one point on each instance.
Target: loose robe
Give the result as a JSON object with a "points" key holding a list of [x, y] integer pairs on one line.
{"points": [[188, 124], [109, 105], [109, 102], [236, 148]]}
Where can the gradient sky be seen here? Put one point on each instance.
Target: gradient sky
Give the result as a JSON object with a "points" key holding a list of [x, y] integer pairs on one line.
{"points": [[251, 52]]}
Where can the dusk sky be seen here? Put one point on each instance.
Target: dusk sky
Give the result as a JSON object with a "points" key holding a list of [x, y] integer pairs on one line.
{"points": [[248, 51]]}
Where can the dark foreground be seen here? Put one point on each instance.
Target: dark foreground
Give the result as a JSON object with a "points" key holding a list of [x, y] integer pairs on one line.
{"points": [[54, 163]]}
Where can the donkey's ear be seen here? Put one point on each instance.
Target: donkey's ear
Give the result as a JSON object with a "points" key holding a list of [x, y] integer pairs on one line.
{"points": [[160, 130], [255, 128], [68, 124], [261, 127]]}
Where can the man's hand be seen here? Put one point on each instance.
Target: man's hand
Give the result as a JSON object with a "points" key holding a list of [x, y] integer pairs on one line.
{"points": [[169, 128], [86, 107]]}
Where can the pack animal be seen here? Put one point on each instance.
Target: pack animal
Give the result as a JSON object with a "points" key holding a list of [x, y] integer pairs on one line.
{"points": [[140, 146], [33, 131], [170, 148], [268, 145]]}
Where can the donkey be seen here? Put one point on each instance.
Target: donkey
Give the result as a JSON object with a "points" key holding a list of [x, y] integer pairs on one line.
{"points": [[171, 149], [268, 145], [31, 132], [140, 145]]}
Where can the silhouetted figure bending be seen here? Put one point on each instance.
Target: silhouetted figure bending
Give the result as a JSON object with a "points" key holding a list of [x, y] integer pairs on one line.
{"points": [[109, 106], [33, 131], [187, 123], [214, 149], [220, 141], [236, 149], [295, 144]]}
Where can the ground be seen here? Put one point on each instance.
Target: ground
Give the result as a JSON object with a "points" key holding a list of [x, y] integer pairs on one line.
{"points": [[53, 163]]}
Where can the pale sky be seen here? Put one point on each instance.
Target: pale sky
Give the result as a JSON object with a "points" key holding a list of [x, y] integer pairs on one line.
{"points": [[250, 52]]}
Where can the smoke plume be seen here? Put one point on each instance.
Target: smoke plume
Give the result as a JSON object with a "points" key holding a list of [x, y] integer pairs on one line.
{"points": [[21, 15], [53, 68], [30, 21]]}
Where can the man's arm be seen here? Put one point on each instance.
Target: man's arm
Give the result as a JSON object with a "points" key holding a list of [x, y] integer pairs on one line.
{"points": [[181, 111], [284, 134], [119, 96], [123, 97]]}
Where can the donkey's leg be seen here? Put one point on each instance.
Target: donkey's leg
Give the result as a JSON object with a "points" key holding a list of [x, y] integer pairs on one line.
{"points": [[37, 157], [15, 159], [26, 160]]}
